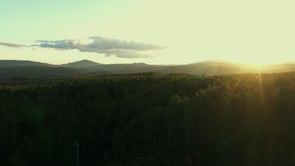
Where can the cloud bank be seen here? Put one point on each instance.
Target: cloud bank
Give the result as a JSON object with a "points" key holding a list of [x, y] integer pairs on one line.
{"points": [[12, 45], [101, 45]]}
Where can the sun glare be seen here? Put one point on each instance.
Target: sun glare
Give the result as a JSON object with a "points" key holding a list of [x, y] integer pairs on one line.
{"points": [[257, 60]]}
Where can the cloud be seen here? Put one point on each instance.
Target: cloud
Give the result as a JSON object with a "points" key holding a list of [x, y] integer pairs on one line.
{"points": [[101, 45], [12, 45], [126, 54]]}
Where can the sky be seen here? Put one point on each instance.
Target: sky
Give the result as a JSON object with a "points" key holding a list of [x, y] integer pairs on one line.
{"points": [[149, 31]]}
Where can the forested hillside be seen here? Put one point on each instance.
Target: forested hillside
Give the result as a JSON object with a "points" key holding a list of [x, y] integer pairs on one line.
{"points": [[30, 70], [150, 119]]}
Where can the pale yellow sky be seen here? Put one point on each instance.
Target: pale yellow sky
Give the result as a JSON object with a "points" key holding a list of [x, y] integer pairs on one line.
{"points": [[252, 31]]}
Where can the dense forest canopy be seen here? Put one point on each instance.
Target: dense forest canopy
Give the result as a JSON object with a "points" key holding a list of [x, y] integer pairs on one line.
{"points": [[150, 119]]}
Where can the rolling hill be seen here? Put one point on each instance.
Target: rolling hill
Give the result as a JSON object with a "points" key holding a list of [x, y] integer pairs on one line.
{"points": [[13, 69]]}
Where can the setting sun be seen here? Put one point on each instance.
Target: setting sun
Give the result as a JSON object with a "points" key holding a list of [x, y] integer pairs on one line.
{"points": [[257, 60]]}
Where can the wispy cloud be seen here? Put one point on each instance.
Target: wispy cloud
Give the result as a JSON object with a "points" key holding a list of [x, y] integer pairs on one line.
{"points": [[101, 45], [12, 45]]}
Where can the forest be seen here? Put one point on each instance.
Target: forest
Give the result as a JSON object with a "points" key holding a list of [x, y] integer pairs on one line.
{"points": [[150, 119]]}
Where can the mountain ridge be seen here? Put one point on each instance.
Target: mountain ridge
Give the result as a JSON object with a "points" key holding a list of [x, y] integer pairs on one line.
{"points": [[10, 63], [81, 63], [10, 69]]}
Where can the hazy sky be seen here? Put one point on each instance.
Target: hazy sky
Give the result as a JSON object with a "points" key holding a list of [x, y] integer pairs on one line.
{"points": [[151, 31]]}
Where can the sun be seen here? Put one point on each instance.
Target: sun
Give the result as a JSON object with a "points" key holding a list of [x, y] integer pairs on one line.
{"points": [[256, 60]]}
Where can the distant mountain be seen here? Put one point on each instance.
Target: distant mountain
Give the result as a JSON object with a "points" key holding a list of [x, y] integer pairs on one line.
{"points": [[36, 72], [81, 64], [13, 63], [11, 69]]}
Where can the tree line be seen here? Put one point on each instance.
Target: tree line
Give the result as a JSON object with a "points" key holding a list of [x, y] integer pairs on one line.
{"points": [[150, 119]]}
